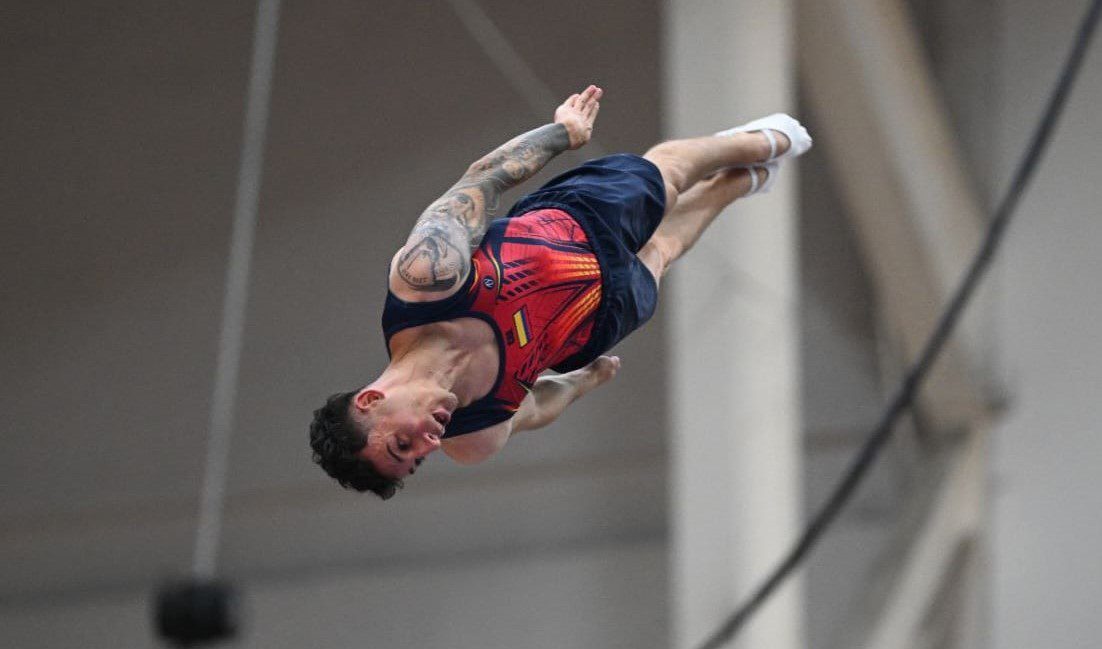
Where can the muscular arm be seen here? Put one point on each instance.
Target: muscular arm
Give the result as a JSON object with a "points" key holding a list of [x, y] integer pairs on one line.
{"points": [[437, 256], [549, 397], [502, 169]]}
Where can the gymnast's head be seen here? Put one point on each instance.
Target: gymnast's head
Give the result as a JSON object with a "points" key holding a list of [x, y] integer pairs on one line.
{"points": [[370, 439]]}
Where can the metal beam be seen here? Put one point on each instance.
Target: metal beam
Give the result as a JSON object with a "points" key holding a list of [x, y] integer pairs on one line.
{"points": [[887, 136], [955, 517]]}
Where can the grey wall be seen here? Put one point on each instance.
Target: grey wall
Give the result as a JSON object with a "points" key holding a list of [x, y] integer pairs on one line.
{"points": [[120, 131], [843, 387], [1046, 527], [609, 596]]}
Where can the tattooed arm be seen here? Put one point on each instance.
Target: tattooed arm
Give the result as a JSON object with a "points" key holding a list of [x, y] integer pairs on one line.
{"points": [[437, 256]]}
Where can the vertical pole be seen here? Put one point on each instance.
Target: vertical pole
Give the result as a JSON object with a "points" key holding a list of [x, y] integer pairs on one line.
{"points": [[735, 447], [212, 497]]}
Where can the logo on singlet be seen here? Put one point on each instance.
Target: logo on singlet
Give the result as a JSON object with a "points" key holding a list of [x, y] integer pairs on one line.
{"points": [[488, 281]]}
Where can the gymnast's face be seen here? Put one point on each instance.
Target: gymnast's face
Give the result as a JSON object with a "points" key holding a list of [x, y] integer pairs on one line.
{"points": [[407, 423]]}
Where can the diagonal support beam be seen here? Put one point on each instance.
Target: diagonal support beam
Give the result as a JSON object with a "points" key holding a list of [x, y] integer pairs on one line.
{"points": [[889, 139], [955, 517]]}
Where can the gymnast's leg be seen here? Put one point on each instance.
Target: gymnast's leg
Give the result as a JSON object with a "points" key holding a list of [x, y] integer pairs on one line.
{"points": [[694, 212], [683, 163], [693, 202]]}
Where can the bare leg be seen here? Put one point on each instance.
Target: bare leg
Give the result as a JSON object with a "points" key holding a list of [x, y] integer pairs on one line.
{"points": [[694, 212], [683, 163]]}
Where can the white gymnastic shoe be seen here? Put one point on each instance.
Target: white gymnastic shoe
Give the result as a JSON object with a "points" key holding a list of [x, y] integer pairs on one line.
{"points": [[762, 186], [800, 140]]}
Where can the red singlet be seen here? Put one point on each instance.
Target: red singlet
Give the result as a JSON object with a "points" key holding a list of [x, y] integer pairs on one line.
{"points": [[536, 281]]}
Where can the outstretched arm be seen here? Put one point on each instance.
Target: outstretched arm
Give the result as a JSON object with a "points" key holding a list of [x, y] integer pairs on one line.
{"points": [[551, 395], [548, 398], [436, 258]]}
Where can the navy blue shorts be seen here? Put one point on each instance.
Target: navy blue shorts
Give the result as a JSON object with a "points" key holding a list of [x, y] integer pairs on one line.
{"points": [[619, 201]]}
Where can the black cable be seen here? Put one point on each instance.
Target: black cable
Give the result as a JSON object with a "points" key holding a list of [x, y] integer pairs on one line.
{"points": [[912, 381]]}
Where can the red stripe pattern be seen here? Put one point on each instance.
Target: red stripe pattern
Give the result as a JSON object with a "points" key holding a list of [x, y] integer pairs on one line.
{"points": [[541, 286]]}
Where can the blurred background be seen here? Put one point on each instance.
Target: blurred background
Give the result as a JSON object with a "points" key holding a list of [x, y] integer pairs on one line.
{"points": [[645, 514]]}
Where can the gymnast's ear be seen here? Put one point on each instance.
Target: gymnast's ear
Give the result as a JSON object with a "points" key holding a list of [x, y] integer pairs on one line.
{"points": [[366, 397]]}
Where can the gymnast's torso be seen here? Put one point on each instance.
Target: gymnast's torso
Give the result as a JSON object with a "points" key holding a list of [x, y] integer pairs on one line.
{"points": [[528, 304]]}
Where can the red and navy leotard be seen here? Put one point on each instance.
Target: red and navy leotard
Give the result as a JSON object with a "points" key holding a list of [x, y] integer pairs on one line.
{"points": [[536, 281]]}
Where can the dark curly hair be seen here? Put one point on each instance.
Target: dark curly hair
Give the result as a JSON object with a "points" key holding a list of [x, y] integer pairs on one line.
{"points": [[337, 441]]}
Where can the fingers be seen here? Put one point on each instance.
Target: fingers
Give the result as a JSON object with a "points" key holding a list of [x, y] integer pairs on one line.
{"points": [[585, 99], [591, 110], [578, 114], [587, 103]]}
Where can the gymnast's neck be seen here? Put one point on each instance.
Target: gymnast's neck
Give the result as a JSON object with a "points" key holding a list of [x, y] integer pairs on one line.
{"points": [[447, 355]]}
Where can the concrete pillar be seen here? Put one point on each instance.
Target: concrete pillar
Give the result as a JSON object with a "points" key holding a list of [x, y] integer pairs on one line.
{"points": [[731, 304]]}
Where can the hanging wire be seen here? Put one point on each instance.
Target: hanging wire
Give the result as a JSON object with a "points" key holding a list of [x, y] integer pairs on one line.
{"points": [[208, 531], [905, 394]]}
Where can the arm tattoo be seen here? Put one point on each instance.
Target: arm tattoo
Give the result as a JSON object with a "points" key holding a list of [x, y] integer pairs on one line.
{"points": [[434, 263], [437, 255], [511, 164]]}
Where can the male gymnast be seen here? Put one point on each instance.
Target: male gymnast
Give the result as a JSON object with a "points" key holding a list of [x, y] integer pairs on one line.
{"points": [[477, 310]]}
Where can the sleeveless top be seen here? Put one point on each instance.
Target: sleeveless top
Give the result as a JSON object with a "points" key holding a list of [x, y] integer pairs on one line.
{"points": [[537, 282]]}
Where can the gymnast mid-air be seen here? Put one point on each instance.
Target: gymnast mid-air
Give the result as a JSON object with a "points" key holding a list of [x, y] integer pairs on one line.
{"points": [[477, 310]]}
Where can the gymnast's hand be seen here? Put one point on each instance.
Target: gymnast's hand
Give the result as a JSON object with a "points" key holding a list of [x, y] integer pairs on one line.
{"points": [[578, 113]]}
